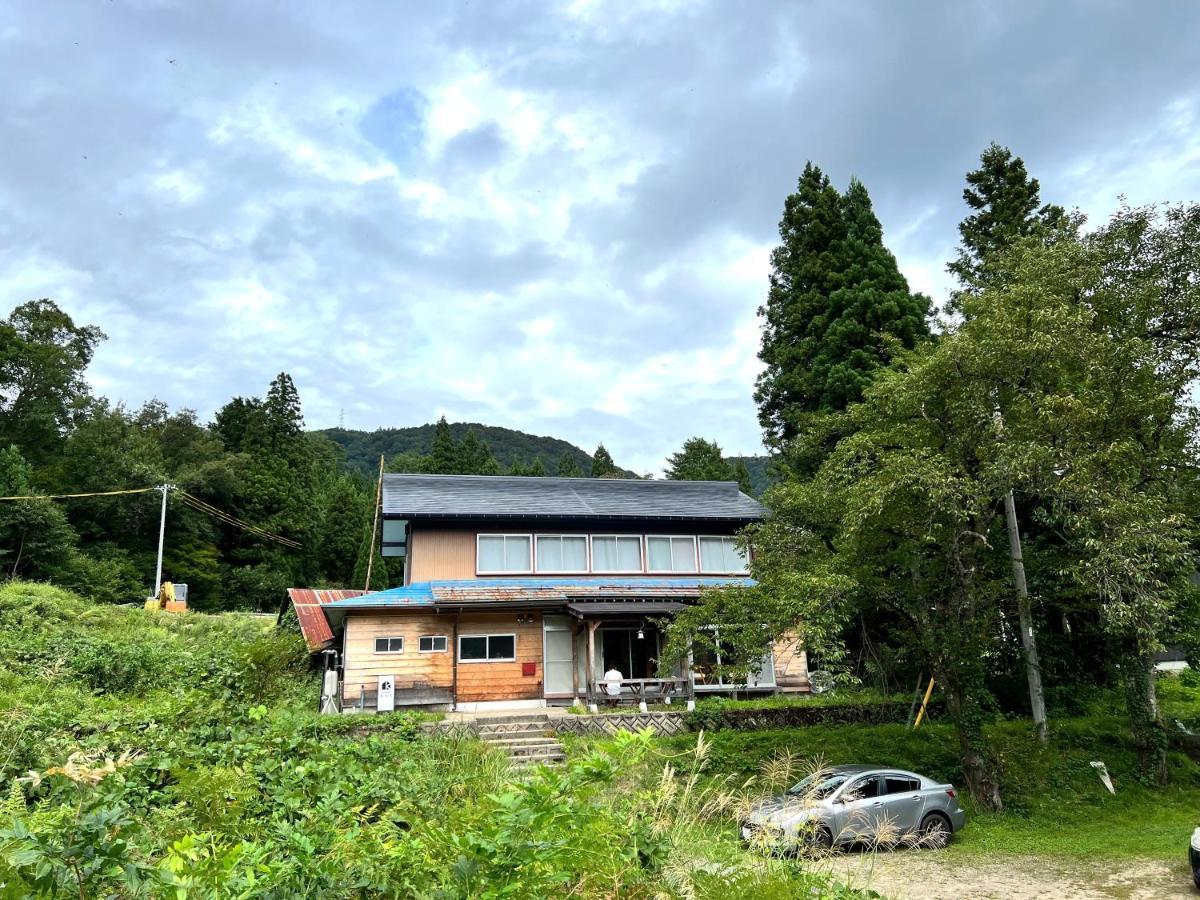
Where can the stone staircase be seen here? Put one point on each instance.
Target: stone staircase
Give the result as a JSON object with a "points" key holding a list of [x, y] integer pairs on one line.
{"points": [[527, 738]]}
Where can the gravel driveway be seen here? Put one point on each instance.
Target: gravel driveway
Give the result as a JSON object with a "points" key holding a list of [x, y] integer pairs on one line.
{"points": [[928, 875]]}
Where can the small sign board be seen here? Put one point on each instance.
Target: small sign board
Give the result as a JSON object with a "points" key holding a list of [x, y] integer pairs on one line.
{"points": [[387, 694]]}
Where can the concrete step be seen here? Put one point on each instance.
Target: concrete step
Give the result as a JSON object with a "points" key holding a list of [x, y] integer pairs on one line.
{"points": [[510, 718], [487, 730], [533, 759], [525, 740], [532, 749]]}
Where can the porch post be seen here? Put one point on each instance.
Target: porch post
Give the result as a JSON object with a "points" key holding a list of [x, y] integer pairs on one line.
{"points": [[591, 665], [574, 664], [454, 662], [691, 681]]}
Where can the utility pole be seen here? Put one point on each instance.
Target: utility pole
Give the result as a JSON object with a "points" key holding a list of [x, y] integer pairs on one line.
{"points": [[1033, 665], [162, 530], [375, 523]]}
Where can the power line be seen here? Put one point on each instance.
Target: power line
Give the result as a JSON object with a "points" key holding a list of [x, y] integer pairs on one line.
{"points": [[230, 519], [91, 494], [194, 502]]}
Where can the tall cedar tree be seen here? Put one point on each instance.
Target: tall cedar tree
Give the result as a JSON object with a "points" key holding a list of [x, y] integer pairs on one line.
{"points": [[699, 460], [1007, 206], [603, 465], [443, 456], [836, 307], [568, 468]]}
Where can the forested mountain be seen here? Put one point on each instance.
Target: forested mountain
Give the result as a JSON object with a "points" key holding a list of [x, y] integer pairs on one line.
{"points": [[760, 474], [508, 446]]}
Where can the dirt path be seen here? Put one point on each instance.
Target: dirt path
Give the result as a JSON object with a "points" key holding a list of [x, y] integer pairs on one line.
{"points": [[909, 875]]}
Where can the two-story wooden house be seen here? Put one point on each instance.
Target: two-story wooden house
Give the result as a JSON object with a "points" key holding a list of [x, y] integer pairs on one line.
{"points": [[527, 591]]}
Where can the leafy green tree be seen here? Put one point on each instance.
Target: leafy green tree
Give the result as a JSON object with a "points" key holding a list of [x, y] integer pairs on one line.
{"points": [[43, 354], [36, 540], [837, 309], [568, 467], [603, 465], [379, 569], [345, 509], [699, 460], [409, 463], [1007, 207], [241, 424]]}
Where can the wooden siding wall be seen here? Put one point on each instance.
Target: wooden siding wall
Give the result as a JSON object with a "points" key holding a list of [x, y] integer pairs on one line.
{"points": [[438, 554], [362, 666], [502, 680]]}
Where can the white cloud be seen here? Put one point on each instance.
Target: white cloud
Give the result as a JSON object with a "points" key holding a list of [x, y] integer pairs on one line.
{"points": [[557, 220]]}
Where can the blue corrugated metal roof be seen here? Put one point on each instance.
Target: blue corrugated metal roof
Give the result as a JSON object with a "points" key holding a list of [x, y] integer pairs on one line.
{"points": [[424, 593]]}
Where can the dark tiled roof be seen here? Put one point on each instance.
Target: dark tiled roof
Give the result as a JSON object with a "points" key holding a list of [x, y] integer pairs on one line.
{"points": [[511, 497]]}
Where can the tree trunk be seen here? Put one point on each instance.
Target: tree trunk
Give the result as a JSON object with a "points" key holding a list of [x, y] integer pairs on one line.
{"points": [[1141, 701], [979, 770], [1033, 666]]}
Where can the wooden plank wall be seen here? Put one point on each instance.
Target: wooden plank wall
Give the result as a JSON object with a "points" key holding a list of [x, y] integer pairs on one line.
{"points": [[362, 666], [476, 680], [438, 554], [502, 680]]}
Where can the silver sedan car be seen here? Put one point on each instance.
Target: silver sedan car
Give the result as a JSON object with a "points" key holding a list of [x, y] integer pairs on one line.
{"points": [[845, 805]]}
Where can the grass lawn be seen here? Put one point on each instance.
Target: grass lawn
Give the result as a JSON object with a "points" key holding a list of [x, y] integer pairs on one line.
{"points": [[1056, 805]]}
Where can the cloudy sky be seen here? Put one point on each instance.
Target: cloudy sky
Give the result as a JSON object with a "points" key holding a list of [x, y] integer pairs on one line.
{"points": [[554, 217]]}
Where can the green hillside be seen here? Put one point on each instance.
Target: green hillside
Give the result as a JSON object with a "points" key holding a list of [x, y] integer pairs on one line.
{"points": [[757, 466], [507, 445]]}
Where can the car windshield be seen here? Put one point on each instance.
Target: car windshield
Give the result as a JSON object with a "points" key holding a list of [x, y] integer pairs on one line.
{"points": [[819, 785]]}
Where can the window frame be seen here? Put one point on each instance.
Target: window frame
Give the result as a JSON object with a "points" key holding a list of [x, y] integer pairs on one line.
{"points": [[487, 648], [641, 539], [695, 570], [528, 570], [587, 553], [389, 638], [745, 570], [434, 637]]}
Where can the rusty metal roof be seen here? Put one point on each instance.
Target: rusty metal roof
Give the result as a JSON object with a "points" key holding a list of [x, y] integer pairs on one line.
{"points": [[313, 624]]}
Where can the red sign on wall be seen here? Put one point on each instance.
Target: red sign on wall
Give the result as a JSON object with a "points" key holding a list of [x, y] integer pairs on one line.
{"points": [[528, 668]]}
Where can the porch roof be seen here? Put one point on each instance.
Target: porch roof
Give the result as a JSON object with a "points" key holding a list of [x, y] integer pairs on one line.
{"points": [[629, 607]]}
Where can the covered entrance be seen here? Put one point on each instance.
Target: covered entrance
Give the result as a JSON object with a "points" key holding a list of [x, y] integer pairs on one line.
{"points": [[632, 651]]}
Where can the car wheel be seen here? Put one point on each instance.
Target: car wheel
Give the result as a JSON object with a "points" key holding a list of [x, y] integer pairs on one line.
{"points": [[935, 831], [821, 840]]}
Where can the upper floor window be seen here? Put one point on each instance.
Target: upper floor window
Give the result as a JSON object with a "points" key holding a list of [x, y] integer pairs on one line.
{"points": [[501, 553], [721, 554], [670, 554], [616, 553], [562, 553], [389, 645]]}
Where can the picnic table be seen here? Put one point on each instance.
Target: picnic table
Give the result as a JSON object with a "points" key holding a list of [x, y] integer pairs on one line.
{"points": [[639, 690]]}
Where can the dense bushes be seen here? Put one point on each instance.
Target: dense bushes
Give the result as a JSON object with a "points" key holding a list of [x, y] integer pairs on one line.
{"points": [[718, 717], [146, 754]]}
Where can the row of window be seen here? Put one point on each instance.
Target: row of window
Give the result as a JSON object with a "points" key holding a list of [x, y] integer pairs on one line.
{"points": [[471, 647], [572, 554]]}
